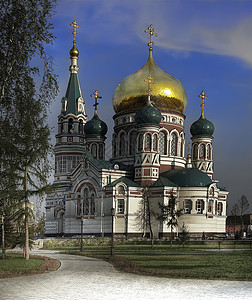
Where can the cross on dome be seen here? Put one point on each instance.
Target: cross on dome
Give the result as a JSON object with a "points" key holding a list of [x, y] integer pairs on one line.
{"points": [[203, 96], [150, 81], [96, 96], [75, 25], [151, 30]]}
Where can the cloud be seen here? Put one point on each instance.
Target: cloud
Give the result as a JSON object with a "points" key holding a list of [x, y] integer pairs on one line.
{"points": [[180, 28]]}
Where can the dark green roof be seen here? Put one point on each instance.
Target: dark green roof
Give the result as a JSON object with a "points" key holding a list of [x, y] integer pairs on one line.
{"points": [[72, 94], [95, 127], [105, 164], [202, 127], [148, 115], [162, 181], [124, 180], [188, 177]]}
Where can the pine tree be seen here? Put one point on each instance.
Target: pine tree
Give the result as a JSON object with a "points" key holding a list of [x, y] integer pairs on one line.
{"points": [[24, 134], [169, 214]]}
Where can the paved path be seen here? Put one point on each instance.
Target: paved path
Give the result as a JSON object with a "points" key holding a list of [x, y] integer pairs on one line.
{"points": [[87, 278]]}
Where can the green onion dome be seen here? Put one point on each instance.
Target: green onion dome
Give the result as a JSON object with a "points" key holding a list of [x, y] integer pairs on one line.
{"points": [[188, 177], [148, 115], [95, 127], [202, 127]]}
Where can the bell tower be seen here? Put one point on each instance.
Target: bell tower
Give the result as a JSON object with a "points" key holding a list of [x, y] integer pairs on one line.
{"points": [[70, 137]]}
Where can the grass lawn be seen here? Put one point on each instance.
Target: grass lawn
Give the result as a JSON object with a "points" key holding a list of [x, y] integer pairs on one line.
{"points": [[176, 262], [15, 265]]}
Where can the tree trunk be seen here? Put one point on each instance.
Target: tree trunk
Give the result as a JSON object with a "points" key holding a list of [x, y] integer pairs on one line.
{"points": [[26, 254], [3, 240]]}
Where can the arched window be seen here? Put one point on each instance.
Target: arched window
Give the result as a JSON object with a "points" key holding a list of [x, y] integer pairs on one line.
{"points": [[140, 142], [94, 150], [70, 125], [61, 127], [220, 208], [174, 141], [101, 156], [86, 202], [122, 142], [208, 151], [92, 204], [81, 126], [132, 143], [162, 143], [202, 151], [121, 190], [195, 151], [78, 212], [154, 145], [148, 141]]}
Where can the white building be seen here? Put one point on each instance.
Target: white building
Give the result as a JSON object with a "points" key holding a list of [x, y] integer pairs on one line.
{"points": [[148, 163]]}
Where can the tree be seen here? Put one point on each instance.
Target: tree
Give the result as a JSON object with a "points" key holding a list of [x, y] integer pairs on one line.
{"points": [[184, 235], [243, 206], [24, 134], [169, 214], [145, 215]]}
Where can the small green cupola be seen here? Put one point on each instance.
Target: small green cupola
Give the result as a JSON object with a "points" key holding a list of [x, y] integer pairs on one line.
{"points": [[148, 115], [95, 127], [202, 127]]}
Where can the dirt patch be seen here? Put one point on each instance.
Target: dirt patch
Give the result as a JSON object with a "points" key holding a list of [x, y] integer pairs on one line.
{"points": [[49, 265]]}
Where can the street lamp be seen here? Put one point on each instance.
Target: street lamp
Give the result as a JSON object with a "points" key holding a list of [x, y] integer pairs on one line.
{"points": [[112, 231], [81, 245]]}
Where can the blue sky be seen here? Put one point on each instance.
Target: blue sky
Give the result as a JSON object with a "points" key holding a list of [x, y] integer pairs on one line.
{"points": [[206, 44]]}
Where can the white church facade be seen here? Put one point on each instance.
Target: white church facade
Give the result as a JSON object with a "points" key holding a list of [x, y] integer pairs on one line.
{"points": [[148, 163]]}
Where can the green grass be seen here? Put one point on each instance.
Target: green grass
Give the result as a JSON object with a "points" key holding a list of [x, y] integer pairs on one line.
{"points": [[15, 264], [176, 262]]}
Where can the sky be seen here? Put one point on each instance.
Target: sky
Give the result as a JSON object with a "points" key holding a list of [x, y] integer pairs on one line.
{"points": [[206, 44]]}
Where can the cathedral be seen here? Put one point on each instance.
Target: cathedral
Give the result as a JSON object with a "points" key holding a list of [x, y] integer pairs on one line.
{"points": [[148, 167]]}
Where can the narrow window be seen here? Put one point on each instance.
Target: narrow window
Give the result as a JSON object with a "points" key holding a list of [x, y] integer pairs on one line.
{"points": [[154, 142], [202, 151], [208, 151], [195, 151], [81, 126], [70, 125], [220, 209], [140, 142], [92, 204], [148, 141], [174, 141], [122, 142], [132, 145], [162, 143], [199, 206], [100, 151], [94, 150], [120, 206], [86, 203], [187, 206]]}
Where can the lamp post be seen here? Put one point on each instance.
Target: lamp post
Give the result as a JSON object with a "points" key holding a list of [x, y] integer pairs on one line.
{"points": [[81, 245], [112, 231]]}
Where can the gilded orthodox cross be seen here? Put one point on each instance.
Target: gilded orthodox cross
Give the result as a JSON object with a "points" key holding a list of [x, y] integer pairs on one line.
{"points": [[151, 30], [150, 81], [96, 96], [75, 25], [203, 96]]}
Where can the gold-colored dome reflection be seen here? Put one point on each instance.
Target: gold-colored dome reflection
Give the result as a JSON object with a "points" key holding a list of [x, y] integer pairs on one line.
{"points": [[168, 94], [74, 52]]}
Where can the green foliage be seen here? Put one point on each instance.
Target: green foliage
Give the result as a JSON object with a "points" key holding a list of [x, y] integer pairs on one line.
{"points": [[184, 235], [170, 213], [26, 90]]}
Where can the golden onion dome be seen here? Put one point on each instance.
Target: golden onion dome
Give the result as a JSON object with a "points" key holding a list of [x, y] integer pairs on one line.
{"points": [[168, 93], [74, 52]]}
